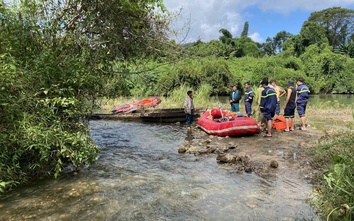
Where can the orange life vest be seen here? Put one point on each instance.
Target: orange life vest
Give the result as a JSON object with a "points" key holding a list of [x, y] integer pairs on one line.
{"points": [[279, 123]]}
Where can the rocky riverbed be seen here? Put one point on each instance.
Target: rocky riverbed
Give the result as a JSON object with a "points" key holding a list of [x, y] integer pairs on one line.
{"points": [[285, 152]]}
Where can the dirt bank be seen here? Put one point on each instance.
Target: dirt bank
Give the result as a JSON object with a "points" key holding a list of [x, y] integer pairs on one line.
{"points": [[285, 152]]}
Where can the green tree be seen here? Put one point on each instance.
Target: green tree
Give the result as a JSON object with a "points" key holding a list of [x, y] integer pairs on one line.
{"points": [[279, 40], [226, 37], [244, 32], [312, 33], [55, 61], [269, 47], [337, 22]]}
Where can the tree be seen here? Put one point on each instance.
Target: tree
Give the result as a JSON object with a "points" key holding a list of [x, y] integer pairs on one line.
{"points": [[269, 47], [295, 45], [244, 32], [55, 61], [226, 37], [337, 22], [312, 33], [279, 40]]}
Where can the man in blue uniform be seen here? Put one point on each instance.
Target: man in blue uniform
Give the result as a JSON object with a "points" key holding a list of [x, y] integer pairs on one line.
{"points": [[235, 97], [268, 104], [249, 95], [302, 95]]}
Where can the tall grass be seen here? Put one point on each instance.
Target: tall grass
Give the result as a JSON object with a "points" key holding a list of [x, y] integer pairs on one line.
{"points": [[201, 98], [334, 157]]}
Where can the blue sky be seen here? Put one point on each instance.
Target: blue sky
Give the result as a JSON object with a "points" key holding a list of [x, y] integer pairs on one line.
{"points": [[204, 18]]}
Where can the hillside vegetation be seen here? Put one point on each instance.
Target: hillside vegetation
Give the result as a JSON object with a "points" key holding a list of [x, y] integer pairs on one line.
{"points": [[57, 59]]}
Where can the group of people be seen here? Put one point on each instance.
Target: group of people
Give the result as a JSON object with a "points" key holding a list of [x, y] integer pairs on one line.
{"points": [[267, 97]]}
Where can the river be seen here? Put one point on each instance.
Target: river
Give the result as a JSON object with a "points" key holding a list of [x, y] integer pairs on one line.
{"points": [[139, 175]]}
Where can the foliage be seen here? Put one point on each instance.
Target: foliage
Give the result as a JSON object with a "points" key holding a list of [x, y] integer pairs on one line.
{"points": [[56, 60], [193, 73], [312, 33], [337, 23], [325, 69], [275, 45], [334, 155], [244, 32]]}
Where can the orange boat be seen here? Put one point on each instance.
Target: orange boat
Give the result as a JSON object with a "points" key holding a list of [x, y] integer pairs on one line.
{"points": [[131, 107], [227, 124]]}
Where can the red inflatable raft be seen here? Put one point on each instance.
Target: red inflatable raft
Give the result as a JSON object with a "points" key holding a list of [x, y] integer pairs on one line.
{"points": [[145, 103], [227, 125]]}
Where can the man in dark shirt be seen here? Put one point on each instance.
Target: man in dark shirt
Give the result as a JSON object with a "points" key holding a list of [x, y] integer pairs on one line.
{"points": [[289, 107], [268, 105], [302, 95]]}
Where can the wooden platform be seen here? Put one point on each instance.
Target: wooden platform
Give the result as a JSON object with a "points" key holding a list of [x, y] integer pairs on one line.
{"points": [[171, 115]]}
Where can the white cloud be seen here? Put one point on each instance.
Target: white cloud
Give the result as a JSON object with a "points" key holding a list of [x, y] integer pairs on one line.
{"points": [[287, 6], [207, 17], [256, 37]]}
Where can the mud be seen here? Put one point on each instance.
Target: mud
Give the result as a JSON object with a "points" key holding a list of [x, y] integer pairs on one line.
{"points": [[283, 153]]}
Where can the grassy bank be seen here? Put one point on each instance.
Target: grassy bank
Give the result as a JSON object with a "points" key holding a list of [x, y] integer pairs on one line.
{"points": [[333, 159]]}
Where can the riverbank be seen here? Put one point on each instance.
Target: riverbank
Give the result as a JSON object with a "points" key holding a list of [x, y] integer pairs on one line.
{"points": [[285, 156], [289, 149], [285, 152]]}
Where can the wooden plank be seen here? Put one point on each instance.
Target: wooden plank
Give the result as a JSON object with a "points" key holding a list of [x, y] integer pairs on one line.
{"points": [[171, 115]]}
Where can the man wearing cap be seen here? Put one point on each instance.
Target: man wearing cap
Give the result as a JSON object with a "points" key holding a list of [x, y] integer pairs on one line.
{"points": [[249, 95], [289, 107], [268, 104], [280, 92], [235, 97], [302, 95]]}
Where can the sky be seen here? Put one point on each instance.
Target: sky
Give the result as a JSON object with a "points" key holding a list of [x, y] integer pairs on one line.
{"points": [[202, 19]]}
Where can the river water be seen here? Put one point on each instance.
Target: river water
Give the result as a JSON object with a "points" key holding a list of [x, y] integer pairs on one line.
{"points": [[139, 175]]}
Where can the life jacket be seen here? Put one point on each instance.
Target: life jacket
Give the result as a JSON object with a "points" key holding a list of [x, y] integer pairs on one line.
{"points": [[279, 123]]}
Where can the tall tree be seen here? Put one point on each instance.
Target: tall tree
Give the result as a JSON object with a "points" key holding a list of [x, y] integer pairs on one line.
{"points": [[244, 32], [337, 22], [312, 33], [268, 47], [279, 40]]}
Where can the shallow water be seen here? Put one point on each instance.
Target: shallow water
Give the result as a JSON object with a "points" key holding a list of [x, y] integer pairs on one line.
{"points": [[139, 175]]}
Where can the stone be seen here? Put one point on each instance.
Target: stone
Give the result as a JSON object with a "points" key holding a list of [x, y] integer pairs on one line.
{"points": [[226, 158], [182, 149], [274, 164], [248, 169], [211, 150]]}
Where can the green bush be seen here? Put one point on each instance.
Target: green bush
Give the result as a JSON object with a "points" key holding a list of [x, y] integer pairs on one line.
{"points": [[335, 156]]}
